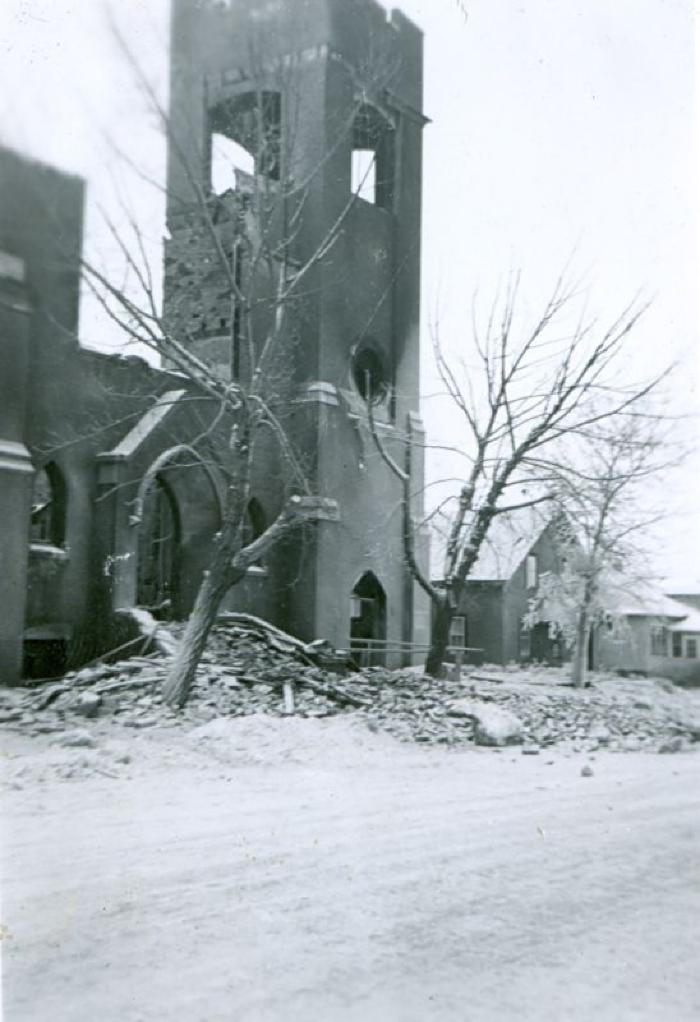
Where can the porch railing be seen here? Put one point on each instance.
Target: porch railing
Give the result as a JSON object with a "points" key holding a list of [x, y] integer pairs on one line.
{"points": [[374, 652]]}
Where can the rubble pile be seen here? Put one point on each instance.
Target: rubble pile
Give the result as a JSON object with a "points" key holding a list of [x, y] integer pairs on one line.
{"points": [[613, 713], [252, 668]]}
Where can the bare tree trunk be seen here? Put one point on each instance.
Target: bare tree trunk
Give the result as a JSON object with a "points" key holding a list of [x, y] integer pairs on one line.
{"points": [[228, 566], [580, 661], [439, 638], [214, 586]]}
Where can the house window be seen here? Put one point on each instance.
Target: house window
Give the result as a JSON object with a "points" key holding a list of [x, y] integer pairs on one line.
{"points": [[658, 641], [48, 515], [691, 649], [677, 644], [457, 631], [531, 571], [372, 166]]}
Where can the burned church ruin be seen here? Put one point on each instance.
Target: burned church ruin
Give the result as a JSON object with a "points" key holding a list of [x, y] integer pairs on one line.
{"points": [[308, 113]]}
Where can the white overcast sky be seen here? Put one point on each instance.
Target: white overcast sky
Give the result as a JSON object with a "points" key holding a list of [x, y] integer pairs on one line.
{"points": [[558, 127]]}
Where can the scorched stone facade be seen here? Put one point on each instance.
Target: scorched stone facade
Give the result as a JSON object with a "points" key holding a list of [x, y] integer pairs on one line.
{"points": [[104, 504]]}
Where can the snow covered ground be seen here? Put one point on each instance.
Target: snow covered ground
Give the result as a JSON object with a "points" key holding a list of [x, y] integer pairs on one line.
{"points": [[273, 870]]}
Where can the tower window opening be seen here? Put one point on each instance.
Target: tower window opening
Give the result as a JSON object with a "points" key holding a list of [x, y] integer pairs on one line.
{"points": [[369, 374], [364, 174], [372, 161], [245, 140], [227, 159]]}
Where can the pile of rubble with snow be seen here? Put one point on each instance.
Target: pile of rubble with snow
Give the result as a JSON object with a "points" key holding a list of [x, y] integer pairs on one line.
{"points": [[250, 668], [538, 708]]}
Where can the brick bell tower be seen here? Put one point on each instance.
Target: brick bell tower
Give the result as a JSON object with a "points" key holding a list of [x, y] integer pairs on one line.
{"points": [[318, 105]]}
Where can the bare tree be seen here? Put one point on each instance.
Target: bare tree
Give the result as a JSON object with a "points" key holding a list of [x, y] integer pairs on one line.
{"points": [[520, 389], [600, 483], [247, 234]]}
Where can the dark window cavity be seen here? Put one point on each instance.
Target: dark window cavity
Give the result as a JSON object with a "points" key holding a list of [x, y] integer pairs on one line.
{"points": [[48, 515], [158, 551], [254, 523], [369, 373], [237, 336]]}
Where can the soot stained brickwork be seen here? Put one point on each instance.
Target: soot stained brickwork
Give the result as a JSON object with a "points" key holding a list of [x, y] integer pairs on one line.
{"points": [[80, 431]]}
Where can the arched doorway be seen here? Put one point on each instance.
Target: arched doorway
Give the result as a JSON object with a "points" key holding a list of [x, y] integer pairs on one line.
{"points": [[158, 551], [368, 620]]}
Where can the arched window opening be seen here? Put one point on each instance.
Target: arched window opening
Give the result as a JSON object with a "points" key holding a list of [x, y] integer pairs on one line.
{"points": [[245, 139], [372, 164], [369, 373], [158, 549], [255, 521], [48, 514], [368, 621], [254, 524]]}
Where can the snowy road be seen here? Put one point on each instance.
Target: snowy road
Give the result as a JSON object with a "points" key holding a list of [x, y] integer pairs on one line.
{"points": [[352, 881]]}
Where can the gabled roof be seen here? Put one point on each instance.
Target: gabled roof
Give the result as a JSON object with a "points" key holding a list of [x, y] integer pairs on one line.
{"points": [[642, 601], [146, 425], [646, 601], [690, 623], [510, 538], [680, 590]]}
